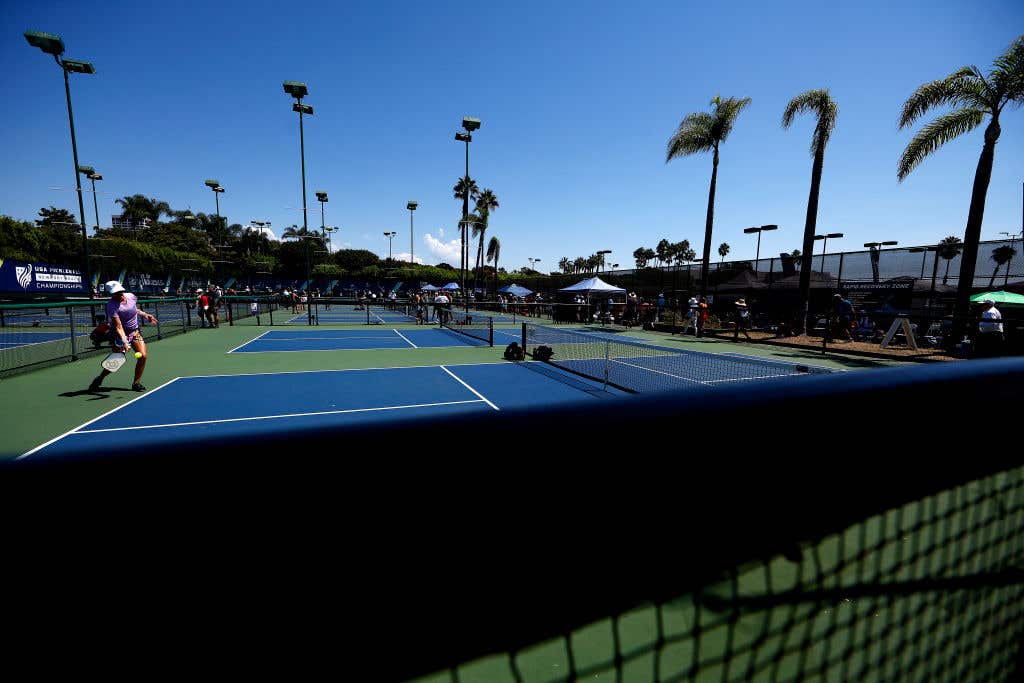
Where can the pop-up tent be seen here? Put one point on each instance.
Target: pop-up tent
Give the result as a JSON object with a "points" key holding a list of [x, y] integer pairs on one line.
{"points": [[451, 286], [430, 288], [516, 290], [593, 285]]}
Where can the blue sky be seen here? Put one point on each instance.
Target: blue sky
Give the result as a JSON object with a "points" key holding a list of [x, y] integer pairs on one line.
{"points": [[577, 101]]}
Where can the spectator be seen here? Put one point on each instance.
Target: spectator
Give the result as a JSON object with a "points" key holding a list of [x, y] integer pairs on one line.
{"points": [[441, 307], [214, 313], [202, 307], [844, 316], [990, 331], [661, 306], [742, 319], [702, 315]]}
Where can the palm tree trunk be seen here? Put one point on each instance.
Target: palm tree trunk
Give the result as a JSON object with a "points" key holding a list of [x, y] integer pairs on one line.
{"points": [[972, 235], [945, 276], [992, 280], [810, 225], [708, 226]]}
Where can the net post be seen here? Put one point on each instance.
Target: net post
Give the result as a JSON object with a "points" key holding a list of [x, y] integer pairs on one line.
{"points": [[187, 317], [159, 331], [607, 362], [270, 310], [524, 341], [231, 317], [490, 331], [71, 317]]}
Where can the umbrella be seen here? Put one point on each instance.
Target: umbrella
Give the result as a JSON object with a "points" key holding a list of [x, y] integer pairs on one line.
{"points": [[1005, 298], [451, 286]]}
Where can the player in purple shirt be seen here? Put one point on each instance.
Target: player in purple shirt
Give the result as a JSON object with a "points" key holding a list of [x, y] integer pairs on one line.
{"points": [[123, 314]]}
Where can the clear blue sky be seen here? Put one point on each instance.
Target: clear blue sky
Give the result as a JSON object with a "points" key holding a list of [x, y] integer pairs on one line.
{"points": [[577, 101]]}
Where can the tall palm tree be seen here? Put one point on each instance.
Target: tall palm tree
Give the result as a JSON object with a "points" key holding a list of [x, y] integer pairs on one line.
{"points": [[663, 251], [140, 208], [723, 251], [949, 248], [465, 190], [486, 202], [1001, 255], [296, 231], [564, 264], [640, 255], [705, 132], [493, 253], [579, 264], [823, 107], [974, 97]]}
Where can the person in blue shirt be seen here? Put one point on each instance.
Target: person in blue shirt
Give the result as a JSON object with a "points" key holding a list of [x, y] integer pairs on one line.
{"points": [[661, 305], [844, 315]]}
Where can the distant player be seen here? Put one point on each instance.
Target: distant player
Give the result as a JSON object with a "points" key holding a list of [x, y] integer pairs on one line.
{"points": [[123, 315]]}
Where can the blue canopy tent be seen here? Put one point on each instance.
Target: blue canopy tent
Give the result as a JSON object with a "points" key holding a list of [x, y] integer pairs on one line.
{"points": [[430, 288], [451, 286], [515, 290]]}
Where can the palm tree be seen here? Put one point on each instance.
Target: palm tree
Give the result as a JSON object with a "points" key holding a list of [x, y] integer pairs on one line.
{"points": [[640, 254], [140, 208], [1001, 255], [579, 264], [493, 253], [823, 107], [723, 251], [949, 248], [296, 231], [486, 202], [704, 132], [663, 251], [564, 265], [975, 96]]}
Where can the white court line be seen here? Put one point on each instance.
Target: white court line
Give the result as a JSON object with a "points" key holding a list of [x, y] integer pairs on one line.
{"points": [[250, 341], [386, 367], [72, 431], [311, 337], [778, 361], [459, 380], [274, 417], [744, 379], [667, 374], [405, 338]]}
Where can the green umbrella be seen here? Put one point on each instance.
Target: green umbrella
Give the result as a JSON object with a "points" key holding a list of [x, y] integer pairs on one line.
{"points": [[1005, 298]]}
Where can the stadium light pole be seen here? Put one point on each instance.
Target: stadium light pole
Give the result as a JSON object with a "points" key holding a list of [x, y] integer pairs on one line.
{"points": [[391, 236], [330, 230], [600, 263], [412, 207], [298, 91], [1011, 236], [217, 189], [750, 231], [321, 196], [470, 124], [90, 173], [53, 45], [309, 276], [824, 247], [876, 261]]}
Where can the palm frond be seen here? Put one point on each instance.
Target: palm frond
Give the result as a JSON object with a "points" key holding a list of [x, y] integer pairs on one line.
{"points": [[493, 249], [959, 88], [726, 111], [825, 110], [1008, 71], [935, 135], [691, 137]]}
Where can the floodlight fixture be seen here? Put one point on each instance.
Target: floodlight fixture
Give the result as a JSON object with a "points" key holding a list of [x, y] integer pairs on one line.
{"points": [[76, 67], [303, 108], [212, 183], [47, 42], [470, 123], [86, 170], [296, 89], [321, 196]]}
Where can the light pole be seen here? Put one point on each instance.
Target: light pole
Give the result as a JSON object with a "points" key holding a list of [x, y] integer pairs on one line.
{"points": [[391, 236], [321, 196], [469, 124], [875, 247], [831, 235], [763, 228], [1012, 236], [309, 277], [217, 189], [330, 229], [601, 253], [412, 207], [298, 91], [90, 173], [532, 261], [53, 45]]}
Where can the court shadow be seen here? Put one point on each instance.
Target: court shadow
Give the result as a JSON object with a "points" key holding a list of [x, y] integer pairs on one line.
{"points": [[97, 395]]}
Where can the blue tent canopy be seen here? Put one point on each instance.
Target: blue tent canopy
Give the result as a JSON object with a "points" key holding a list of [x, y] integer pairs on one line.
{"points": [[430, 288], [451, 286], [516, 290]]}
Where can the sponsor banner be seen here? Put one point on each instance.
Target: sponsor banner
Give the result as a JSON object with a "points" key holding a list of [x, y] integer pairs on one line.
{"points": [[880, 297], [35, 277], [144, 283]]}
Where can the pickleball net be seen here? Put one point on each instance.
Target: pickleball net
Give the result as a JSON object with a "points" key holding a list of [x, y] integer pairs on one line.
{"points": [[473, 326], [637, 367], [930, 590]]}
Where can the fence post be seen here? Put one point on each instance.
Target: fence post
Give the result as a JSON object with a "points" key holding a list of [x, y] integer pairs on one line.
{"points": [[74, 345], [159, 332], [186, 315]]}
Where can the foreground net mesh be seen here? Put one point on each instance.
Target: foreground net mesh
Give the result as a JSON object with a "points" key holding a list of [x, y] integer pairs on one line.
{"points": [[639, 368], [473, 325], [930, 591]]}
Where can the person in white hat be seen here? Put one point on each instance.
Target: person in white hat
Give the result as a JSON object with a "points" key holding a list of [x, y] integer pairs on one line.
{"points": [[990, 330], [123, 314], [742, 319]]}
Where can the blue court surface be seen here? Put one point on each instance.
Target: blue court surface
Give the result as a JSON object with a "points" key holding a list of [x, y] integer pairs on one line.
{"points": [[190, 408], [284, 341]]}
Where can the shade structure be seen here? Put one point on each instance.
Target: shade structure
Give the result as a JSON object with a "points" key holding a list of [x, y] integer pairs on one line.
{"points": [[593, 284], [742, 282], [1000, 297], [430, 288], [451, 286], [516, 290]]}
